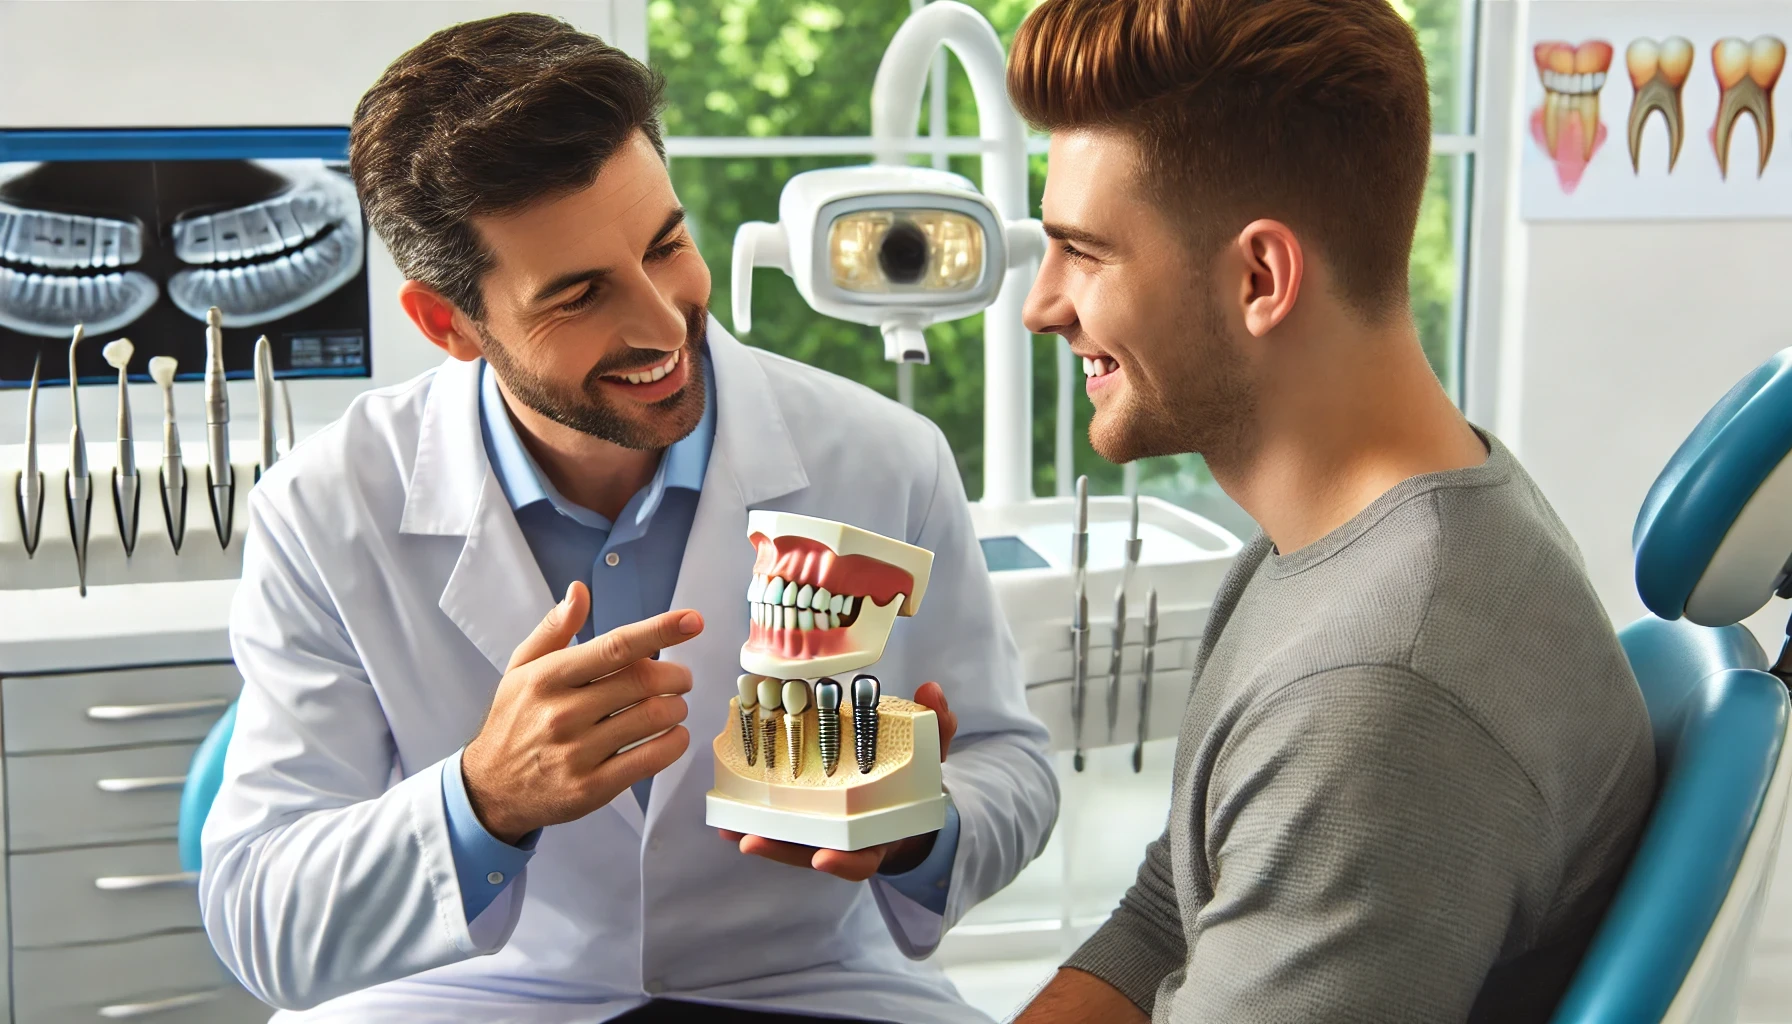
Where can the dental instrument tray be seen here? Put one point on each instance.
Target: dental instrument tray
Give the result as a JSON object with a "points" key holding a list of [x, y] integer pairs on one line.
{"points": [[805, 757]]}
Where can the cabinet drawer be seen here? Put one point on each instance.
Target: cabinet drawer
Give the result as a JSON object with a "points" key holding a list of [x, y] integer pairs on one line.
{"points": [[164, 978], [100, 894], [107, 796], [114, 709]]}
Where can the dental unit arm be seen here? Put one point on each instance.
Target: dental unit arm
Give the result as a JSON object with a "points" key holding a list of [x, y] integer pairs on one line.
{"points": [[823, 600]]}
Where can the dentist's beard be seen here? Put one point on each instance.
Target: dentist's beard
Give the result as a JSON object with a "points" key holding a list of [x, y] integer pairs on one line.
{"points": [[584, 407]]}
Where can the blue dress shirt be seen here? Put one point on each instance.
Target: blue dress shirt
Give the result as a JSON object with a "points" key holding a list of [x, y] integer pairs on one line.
{"points": [[631, 567]]}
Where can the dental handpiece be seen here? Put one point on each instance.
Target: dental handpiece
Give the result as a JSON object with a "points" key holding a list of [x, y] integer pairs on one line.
{"points": [[219, 476], [286, 410], [866, 692], [749, 702], [1146, 663], [1114, 660], [770, 700], [1079, 620], [174, 471], [79, 487], [30, 489], [796, 701], [264, 404], [126, 496], [827, 724]]}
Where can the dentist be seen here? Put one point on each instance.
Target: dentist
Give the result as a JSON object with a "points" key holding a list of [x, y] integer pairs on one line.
{"points": [[484, 614]]}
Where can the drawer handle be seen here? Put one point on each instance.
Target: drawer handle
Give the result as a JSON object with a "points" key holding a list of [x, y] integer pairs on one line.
{"points": [[127, 883], [143, 785], [125, 1011], [133, 712]]}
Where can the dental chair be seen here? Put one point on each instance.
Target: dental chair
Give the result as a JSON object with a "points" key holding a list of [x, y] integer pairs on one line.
{"points": [[204, 776], [1712, 545]]}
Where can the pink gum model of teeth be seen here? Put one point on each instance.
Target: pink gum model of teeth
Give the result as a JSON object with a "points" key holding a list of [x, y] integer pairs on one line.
{"points": [[804, 597]]}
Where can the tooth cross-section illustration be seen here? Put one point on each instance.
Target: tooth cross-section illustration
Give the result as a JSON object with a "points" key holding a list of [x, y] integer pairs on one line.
{"points": [[1567, 126], [825, 595], [1658, 72], [1746, 74]]}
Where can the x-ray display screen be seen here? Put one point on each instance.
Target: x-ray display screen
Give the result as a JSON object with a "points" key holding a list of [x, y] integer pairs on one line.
{"points": [[137, 234]]}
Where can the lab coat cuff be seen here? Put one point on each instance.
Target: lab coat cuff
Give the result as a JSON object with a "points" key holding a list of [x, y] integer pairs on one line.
{"points": [[916, 926], [929, 882], [484, 865], [431, 831]]}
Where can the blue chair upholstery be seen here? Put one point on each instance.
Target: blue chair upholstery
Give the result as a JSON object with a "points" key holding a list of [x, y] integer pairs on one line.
{"points": [[1712, 542], [204, 776]]}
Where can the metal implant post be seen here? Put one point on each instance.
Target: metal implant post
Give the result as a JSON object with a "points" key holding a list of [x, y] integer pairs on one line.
{"points": [[770, 701], [865, 694], [749, 701], [796, 701], [827, 724]]}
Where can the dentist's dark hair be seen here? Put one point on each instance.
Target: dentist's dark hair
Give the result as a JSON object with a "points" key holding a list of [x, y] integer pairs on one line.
{"points": [[1312, 112], [484, 117]]}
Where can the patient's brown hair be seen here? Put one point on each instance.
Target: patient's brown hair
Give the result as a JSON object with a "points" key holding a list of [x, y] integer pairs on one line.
{"points": [[1312, 112]]}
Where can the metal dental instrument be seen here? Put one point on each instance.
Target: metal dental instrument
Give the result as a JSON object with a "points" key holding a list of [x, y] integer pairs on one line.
{"points": [[1079, 619], [286, 408], [770, 699], [796, 701], [220, 478], [127, 492], [264, 404], [1145, 666], [174, 471], [78, 481], [1132, 561], [827, 723], [749, 701], [30, 485], [866, 691]]}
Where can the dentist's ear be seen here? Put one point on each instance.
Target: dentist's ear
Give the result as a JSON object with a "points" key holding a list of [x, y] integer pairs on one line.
{"points": [[439, 320], [1273, 268]]}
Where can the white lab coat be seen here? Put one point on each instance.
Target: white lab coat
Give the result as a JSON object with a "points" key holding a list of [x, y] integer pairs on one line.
{"points": [[385, 584]]}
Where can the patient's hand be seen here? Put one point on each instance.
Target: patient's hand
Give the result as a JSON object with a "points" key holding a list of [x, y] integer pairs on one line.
{"points": [[859, 865]]}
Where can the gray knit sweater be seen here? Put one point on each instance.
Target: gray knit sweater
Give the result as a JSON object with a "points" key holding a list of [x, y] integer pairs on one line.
{"points": [[1410, 774]]}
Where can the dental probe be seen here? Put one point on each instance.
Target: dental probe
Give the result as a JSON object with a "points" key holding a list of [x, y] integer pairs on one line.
{"points": [[219, 476], [79, 483], [866, 691], [286, 408], [770, 700], [174, 471], [1079, 619], [827, 724], [30, 489], [1145, 665], [796, 701], [749, 701], [126, 493], [1132, 561], [264, 404]]}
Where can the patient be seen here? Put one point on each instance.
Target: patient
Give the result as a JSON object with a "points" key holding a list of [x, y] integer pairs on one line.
{"points": [[1415, 762]]}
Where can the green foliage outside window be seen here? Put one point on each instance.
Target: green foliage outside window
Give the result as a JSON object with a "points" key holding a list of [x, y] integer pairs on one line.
{"points": [[769, 68]]}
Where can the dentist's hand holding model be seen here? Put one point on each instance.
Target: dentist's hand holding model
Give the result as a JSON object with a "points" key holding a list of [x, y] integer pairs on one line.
{"points": [[482, 615]]}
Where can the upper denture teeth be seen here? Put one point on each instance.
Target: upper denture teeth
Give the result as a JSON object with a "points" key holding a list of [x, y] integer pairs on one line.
{"points": [[805, 596], [774, 590], [835, 602], [821, 599], [756, 589], [790, 592]]}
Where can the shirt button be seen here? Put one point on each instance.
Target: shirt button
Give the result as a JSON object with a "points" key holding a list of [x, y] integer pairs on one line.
{"points": [[611, 559], [496, 878]]}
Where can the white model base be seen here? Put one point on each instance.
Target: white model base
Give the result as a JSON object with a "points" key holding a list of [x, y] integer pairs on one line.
{"points": [[851, 832]]}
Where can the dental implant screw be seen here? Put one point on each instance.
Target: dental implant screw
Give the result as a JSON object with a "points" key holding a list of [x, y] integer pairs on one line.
{"points": [[827, 724], [796, 701], [749, 701], [865, 694]]}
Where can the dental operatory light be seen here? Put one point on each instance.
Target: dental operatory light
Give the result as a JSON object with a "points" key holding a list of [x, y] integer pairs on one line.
{"points": [[892, 246]]}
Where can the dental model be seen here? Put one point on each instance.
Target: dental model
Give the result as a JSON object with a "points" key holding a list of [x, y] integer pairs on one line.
{"points": [[30, 489], [78, 482], [770, 695], [220, 478], [264, 404], [126, 494], [1746, 74], [823, 600], [1658, 73], [1567, 126], [796, 700], [749, 704], [174, 471]]}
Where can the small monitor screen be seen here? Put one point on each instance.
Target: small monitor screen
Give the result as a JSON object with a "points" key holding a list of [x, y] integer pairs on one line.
{"points": [[137, 233], [1005, 554]]}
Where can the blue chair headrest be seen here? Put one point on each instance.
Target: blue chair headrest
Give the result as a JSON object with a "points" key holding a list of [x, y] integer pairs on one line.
{"points": [[1715, 532]]}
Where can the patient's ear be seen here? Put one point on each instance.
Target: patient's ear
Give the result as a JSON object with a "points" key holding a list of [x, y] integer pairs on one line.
{"points": [[1273, 266]]}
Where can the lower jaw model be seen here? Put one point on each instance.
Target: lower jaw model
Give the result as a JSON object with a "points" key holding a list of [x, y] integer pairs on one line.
{"points": [[822, 602]]}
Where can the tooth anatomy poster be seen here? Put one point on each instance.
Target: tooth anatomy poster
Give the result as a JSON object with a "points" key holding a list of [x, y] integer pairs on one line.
{"points": [[1655, 109], [142, 248]]}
